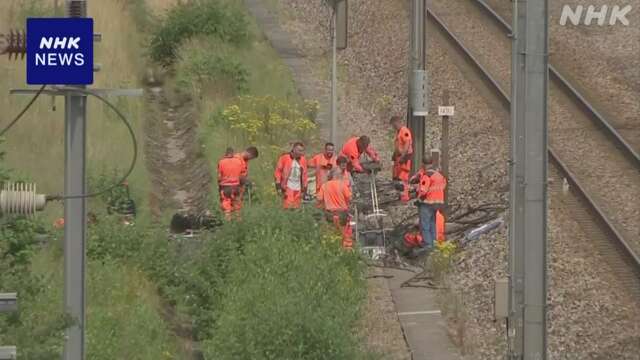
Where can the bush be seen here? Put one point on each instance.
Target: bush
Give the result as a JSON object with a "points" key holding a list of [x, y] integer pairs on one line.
{"points": [[269, 120], [212, 18], [37, 328], [219, 64], [290, 296]]}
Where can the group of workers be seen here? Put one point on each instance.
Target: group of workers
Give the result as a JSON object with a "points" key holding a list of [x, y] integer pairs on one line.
{"points": [[334, 182]]}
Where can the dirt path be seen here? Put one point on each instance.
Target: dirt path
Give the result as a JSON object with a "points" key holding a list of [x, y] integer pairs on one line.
{"points": [[180, 175]]}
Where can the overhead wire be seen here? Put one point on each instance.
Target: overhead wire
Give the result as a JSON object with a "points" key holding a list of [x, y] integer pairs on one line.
{"points": [[134, 158], [24, 110]]}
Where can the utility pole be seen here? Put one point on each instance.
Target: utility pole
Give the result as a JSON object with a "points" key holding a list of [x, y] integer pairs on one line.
{"points": [[418, 91], [75, 190], [446, 111], [334, 76], [528, 171], [75, 209], [339, 36]]}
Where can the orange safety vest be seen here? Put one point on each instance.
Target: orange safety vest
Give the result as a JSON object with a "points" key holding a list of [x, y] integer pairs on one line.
{"points": [[322, 166], [230, 171], [431, 188], [403, 143], [245, 165], [335, 195], [351, 152], [283, 170]]}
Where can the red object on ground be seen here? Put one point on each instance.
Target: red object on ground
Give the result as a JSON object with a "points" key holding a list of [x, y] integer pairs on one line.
{"points": [[413, 239]]}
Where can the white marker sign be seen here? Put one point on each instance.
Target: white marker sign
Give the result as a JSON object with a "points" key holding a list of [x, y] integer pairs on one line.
{"points": [[446, 110]]}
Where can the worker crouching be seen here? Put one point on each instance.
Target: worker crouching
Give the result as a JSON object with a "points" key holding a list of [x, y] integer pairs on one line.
{"points": [[335, 195], [431, 186], [291, 177], [353, 150]]}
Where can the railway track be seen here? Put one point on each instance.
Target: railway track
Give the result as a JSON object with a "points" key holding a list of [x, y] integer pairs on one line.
{"points": [[623, 256]]}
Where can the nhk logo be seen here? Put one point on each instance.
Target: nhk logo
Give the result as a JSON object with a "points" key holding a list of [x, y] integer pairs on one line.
{"points": [[55, 59], [60, 51], [587, 14]]}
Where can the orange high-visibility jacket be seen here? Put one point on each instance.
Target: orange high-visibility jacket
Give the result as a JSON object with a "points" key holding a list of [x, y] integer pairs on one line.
{"points": [[245, 165], [412, 239], [403, 143], [322, 166], [431, 188], [283, 170], [230, 171], [335, 195], [350, 151]]}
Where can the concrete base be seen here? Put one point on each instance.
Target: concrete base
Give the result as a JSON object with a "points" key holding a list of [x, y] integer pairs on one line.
{"points": [[424, 327]]}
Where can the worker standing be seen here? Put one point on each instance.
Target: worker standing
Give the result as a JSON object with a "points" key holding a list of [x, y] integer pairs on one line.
{"points": [[233, 171], [402, 155], [354, 148], [431, 185], [291, 177], [323, 163], [335, 195]]}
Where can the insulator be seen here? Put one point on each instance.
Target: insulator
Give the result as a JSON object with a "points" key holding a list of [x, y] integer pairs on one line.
{"points": [[15, 43], [20, 199], [76, 8]]}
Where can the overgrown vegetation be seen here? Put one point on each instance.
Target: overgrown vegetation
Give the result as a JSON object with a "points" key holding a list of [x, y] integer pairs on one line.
{"points": [[217, 19], [274, 286]]}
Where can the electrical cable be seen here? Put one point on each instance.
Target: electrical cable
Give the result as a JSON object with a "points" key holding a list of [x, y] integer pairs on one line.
{"points": [[17, 118], [134, 143]]}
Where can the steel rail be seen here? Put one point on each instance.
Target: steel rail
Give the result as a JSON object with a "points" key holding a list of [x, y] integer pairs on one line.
{"points": [[598, 119], [605, 224]]}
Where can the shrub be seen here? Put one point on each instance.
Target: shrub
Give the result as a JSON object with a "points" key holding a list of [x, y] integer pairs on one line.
{"points": [[213, 18], [290, 296], [269, 120], [219, 64]]}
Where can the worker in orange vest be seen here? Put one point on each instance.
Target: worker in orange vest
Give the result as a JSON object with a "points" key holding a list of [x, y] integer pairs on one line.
{"points": [[431, 185], [335, 195], [323, 163], [291, 177], [232, 177], [354, 148], [343, 164], [402, 155]]}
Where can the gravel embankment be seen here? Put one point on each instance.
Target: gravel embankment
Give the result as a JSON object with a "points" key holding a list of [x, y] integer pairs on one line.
{"points": [[589, 311], [571, 134], [603, 61]]}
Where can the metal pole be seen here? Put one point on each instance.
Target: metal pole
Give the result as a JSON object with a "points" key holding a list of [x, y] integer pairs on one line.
{"points": [[535, 211], [334, 77], [528, 186], [417, 62], [516, 226], [444, 143], [75, 212]]}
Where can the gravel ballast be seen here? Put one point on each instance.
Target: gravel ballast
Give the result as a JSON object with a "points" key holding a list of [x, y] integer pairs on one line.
{"points": [[591, 316]]}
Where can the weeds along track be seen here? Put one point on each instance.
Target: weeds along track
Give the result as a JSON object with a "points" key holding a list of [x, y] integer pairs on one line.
{"points": [[578, 152]]}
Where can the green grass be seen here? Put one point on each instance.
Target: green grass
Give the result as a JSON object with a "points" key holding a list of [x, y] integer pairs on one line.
{"points": [[35, 146]]}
